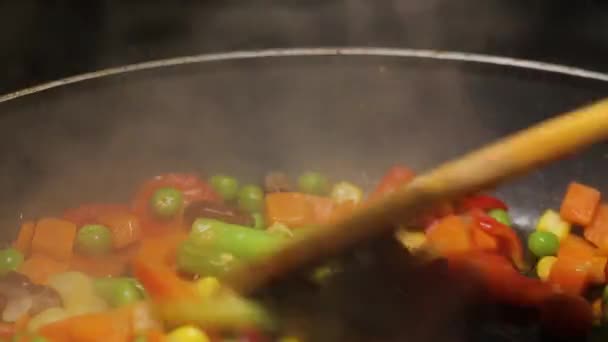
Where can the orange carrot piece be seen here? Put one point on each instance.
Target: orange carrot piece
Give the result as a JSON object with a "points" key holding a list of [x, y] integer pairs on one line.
{"points": [[125, 228], [569, 275], [597, 231], [112, 265], [322, 207], [574, 246], [22, 322], [38, 268], [55, 238], [155, 336], [24, 240], [597, 270], [451, 235], [291, 208], [111, 326], [341, 211], [579, 204]]}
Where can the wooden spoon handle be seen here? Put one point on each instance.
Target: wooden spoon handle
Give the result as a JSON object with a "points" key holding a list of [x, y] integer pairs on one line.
{"points": [[508, 157]]}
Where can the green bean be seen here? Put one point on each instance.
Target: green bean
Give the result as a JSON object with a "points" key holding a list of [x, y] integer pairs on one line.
{"points": [[194, 259], [242, 242]]}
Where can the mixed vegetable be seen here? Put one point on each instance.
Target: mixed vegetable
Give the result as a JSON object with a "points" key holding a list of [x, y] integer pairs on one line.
{"points": [[151, 270]]}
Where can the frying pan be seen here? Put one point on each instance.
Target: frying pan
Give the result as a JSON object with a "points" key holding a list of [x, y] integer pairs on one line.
{"points": [[349, 113]]}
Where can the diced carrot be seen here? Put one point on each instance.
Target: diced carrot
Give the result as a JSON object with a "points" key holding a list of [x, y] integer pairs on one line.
{"points": [[291, 208], [569, 275], [155, 336], [597, 231], [322, 208], [125, 228], [24, 239], [22, 322], [597, 270], [38, 268], [7, 330], [342, 210], [114, 265], [107, 326], [484, 241], [111, 326], [579, 204], [450, 235], [298, 209], [574, 246], [55, 238], [90, 213]]}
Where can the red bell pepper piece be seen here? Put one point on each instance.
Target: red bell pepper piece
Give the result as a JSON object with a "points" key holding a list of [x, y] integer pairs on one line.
{"points": [[395, 177], [507, 238], [192, 187], [153, 266], [483, 202], [503, 282]]}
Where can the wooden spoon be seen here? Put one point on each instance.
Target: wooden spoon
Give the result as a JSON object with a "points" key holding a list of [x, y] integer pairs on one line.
{"points": [[507, 158]]}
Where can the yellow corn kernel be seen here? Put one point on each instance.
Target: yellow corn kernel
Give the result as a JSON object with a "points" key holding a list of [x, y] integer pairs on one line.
{"points": [[543, 267], [550, 221], [344, 192], [596, 309], [187, 333], [289, 339], [208, 286], [412, 240]]}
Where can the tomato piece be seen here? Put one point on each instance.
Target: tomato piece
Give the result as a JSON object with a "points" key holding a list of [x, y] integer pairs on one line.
{"points": [[191, 186], [507, 238], [483, 202]]}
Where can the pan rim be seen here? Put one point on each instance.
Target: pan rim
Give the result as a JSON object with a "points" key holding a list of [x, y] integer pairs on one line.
{"points": [[446, 55]]}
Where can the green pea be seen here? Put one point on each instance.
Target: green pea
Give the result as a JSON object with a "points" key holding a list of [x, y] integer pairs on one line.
{"points": [[501, 216], [94, 239], [166, 202], [251, 198], [258, 221], [10, 260], [543, 243], [605, 295], [313, 183], [117, 291], [141, 338], [226, 186]]}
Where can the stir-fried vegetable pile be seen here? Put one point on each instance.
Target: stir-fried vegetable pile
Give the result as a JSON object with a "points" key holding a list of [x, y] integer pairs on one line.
{"points": [[151, 270]]}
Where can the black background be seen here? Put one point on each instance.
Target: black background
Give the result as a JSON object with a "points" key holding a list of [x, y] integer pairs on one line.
{"points": [[44, 40]]}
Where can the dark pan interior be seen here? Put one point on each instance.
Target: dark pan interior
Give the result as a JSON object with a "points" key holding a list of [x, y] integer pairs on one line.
{"points": [[347, 116]]}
